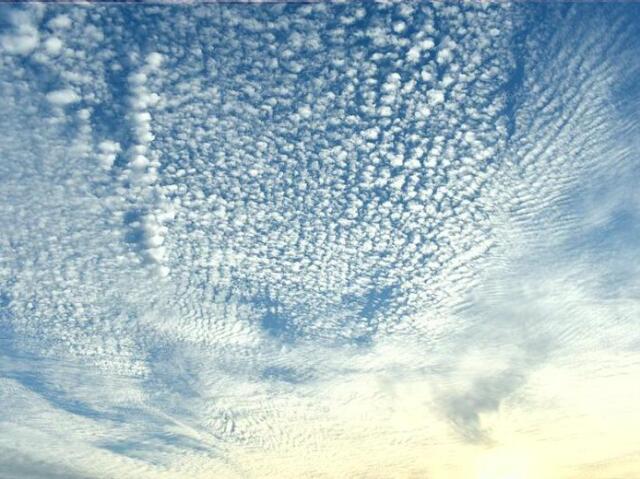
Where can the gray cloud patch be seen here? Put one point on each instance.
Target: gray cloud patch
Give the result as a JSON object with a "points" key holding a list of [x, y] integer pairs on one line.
{"points": [[485, 395], [16, 465]]}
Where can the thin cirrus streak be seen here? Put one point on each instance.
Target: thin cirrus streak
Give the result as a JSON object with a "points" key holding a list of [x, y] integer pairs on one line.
{"points": [[322, 240]]}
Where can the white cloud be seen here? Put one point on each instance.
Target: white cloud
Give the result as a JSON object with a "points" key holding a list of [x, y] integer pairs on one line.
{"points": [[62, 97], [304, 111], [154, 60], [108, 153], [414, 53], [435, 97], [371, 134], [61, 21], [53, 45], [398, 182], [22, 42]]}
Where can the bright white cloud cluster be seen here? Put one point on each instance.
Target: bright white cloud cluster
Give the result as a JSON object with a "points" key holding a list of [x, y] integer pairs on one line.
{"points": [[62, 97], [23, 36], [366, 227], [141, 175]]}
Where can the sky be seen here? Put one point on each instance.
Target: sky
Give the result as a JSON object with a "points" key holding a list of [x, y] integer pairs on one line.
{"points": [[325, 240]]}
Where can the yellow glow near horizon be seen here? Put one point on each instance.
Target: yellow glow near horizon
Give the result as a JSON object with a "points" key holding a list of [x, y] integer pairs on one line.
{"points": [[504, 463]]}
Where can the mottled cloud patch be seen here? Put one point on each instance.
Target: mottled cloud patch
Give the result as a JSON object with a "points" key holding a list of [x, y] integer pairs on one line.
{"points": [[239, 240]]}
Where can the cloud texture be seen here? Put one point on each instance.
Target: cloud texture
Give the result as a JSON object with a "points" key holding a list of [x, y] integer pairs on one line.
{"points": [[320, 240]]}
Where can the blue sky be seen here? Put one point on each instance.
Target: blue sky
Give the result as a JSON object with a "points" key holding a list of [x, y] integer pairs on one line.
{"points": [[319, 240]]}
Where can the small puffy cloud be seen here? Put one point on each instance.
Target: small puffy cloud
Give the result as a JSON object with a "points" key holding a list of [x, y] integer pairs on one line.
{"points": [[157, 254], [427, 44], [163, 271], [413, 55], [422, 112], [22, 42], [398, 182], [142, 117], [108, 153], [444, 56], [392, 84], [109, 146], [140, 162], [23, 36], [413, 163], [53, 45], [385, 110], [426, 75], [62, 97], [304, 111], [371, 133], [60, 22], [154, 60], [399, 27], [84, 114], [435, 97], [137, 78], [143, 100], [396, 160]]}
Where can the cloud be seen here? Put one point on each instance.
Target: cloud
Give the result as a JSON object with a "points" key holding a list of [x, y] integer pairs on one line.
{"points": [[53, 45], [272, 236], [24, 37], [61, 21], [154, 60], [23, 42], [62, 97], [485, 396], [491, 378], [16, 465]]}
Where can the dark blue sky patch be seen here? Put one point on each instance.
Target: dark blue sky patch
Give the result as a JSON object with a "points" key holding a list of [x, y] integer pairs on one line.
{"points": [[276, 321], [60, 399]]}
